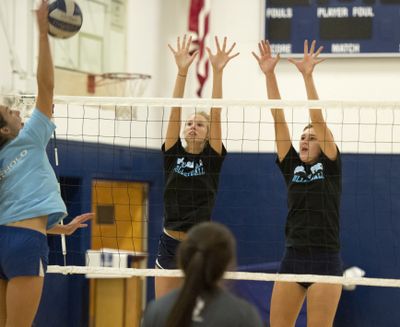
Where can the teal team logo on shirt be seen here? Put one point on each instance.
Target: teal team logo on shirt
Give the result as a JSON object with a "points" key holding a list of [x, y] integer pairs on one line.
{"points": [[301, 176], [189, 168]]}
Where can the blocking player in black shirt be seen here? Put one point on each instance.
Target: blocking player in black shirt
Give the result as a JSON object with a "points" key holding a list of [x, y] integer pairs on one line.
{"points": [[191, 172], [313, 179]]}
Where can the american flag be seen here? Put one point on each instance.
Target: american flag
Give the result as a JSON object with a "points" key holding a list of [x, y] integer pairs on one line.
{"points": [[199, 18]]}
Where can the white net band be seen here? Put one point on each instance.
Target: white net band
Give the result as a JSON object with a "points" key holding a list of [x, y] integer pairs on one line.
{"points": [[206, 103], [266, 277]]}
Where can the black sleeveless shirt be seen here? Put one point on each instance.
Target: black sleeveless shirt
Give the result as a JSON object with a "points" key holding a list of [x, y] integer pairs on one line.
{"points": [[314, 192], [191, 184]]}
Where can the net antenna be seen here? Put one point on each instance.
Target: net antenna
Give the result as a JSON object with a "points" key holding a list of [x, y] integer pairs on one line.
{"points": [[119, 85]]}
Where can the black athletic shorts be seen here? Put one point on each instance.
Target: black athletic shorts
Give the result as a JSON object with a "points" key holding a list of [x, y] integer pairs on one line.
{"points": [[313, 261], [166, 255]]}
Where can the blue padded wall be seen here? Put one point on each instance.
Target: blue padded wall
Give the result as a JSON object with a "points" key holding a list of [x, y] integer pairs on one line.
{"points": [[252, 202]]}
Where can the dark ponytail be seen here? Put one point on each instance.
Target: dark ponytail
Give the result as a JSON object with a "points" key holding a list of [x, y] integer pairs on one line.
{"points": [[203, 256]]}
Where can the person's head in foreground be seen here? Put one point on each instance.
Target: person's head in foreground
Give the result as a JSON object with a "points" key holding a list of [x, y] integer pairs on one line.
{"points": [[204, 256]]}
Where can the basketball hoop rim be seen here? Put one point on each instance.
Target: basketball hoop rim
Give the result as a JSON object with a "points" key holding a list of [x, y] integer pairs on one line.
{"points": [[123, 76], [97, 80]]}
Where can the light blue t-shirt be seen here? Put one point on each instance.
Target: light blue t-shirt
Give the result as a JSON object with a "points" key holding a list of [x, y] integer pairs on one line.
{"points": [[28, 184]]}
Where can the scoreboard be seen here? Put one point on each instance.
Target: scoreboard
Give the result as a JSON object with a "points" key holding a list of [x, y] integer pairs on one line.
{"points": [[343, 27]]}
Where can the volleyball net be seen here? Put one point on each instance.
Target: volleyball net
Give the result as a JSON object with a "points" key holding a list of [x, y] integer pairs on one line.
{"points": [[110, 162]]}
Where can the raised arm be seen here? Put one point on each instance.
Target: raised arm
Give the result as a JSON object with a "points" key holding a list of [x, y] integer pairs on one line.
{"points": [[183, 60], [306, 68], [45, 69], [218, 62], [267, 64]]}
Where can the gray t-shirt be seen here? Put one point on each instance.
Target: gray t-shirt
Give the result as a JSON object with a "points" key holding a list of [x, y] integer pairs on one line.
{"points": [[217, 310]]}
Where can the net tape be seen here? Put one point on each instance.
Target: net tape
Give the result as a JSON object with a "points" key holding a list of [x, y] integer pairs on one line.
{"points": [[29, 100], [266, 277]]}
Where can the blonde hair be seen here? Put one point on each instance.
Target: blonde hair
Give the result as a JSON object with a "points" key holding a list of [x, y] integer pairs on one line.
{"points": [[204, 114], [308, 126]]}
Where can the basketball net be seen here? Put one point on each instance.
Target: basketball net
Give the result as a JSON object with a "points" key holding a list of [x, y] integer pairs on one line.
{"points": [[119, 85]]}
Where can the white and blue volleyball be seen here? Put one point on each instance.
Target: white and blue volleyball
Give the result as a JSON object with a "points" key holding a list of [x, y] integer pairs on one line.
{"points": [[65, 18]]}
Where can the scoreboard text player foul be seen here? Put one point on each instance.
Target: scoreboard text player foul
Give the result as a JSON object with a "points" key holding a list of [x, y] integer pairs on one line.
{"points": [[343, 27]]}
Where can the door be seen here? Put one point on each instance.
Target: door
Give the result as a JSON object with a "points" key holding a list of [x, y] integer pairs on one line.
{"points": [[121, 208]]}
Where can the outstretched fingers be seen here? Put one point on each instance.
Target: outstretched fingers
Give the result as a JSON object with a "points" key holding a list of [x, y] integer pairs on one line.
{"points": [[217, 44], [266, 47], [84, 217], [261, 49], [224, 45], [42, 16], [312, 48], [255, 56], [189, 43], [233, 56], [316, 54], [209, 52], [305, 46], [184, 41], [231, 48], [178, 43], [311, 51], [230, 51], [172, 49]]}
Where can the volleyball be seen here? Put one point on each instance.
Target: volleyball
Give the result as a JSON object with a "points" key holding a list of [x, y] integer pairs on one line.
{"points": [[65, 18]]}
